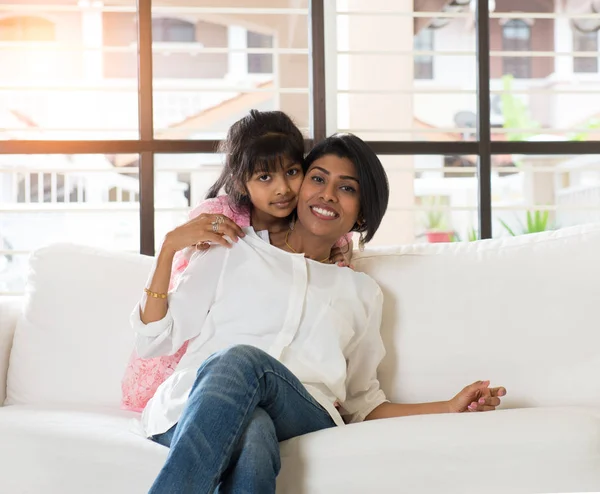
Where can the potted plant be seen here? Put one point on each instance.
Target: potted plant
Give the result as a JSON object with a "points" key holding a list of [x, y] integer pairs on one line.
{"points": [[435, 222]]}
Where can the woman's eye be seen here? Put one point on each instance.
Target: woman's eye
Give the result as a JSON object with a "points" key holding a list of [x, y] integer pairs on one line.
{"points": [[348, 188], [317, 179]]}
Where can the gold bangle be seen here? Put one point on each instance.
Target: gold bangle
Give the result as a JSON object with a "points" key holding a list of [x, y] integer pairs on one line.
{"points": [[154, 294]]}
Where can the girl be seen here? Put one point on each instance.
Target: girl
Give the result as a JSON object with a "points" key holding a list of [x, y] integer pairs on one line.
{"points": [[264, 168]]}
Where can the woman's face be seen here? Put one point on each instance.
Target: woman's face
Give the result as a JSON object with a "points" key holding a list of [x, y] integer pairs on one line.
{"points": [[329, 200]]}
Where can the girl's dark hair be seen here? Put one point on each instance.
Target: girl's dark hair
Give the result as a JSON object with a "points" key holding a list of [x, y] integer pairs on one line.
{"points": [[259, 142], [373, 181]]}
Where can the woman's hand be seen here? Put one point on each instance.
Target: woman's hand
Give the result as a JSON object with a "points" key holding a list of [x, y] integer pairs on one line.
{"points": [[204, 228], [477, 397]]}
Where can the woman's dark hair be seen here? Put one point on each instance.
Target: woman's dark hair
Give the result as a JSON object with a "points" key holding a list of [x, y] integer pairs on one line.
{"points": [[259, 142], [373, 181]]}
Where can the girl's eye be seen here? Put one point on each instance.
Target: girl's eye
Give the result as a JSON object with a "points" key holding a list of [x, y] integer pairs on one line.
{"points": [[293, 172], [264, 178], [317, 179]]}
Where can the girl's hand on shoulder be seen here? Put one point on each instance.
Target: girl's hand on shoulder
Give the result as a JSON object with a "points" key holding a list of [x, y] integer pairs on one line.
{"points": [[342, 256], [203, 230]]}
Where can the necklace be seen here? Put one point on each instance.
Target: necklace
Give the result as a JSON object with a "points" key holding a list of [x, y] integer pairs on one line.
{"points": [[287, 236]]}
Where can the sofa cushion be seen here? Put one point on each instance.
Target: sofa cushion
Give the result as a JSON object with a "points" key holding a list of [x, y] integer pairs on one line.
{"points": [[73, 340], [77, 450], [522, 312], [527, 450], [93, 451]]}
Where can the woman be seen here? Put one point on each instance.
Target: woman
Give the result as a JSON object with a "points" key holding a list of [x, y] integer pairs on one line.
{"points": [[280, 342]]}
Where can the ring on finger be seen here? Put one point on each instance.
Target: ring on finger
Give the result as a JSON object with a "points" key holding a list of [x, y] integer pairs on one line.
{"points": [[220, 219], [215, 226]]}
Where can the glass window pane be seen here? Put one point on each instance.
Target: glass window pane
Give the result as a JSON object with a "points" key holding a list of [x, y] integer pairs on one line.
{"points": [[60, 77], [544, 71], [433, 199], [585, 42], [181, 181], [538, 193], [84, 199], [398, 76], [241, 57], [166, 30]]}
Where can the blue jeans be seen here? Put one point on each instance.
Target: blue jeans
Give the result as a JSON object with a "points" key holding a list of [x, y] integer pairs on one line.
{"points": [[242, 404]]}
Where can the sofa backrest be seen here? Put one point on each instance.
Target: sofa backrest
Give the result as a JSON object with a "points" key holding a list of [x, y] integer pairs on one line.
{"points": [[73, 342], [522, 312]]}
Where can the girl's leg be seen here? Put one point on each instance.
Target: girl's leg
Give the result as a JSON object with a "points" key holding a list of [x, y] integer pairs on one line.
{"points": [[229, 387]]}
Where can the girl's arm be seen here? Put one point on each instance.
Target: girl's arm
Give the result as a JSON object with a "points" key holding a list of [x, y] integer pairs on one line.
{"points": [[216, 206], [164, 322]]}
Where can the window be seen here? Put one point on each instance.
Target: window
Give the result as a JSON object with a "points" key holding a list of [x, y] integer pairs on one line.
{"points": [[424, 63], [167, 30], [26, 28], [585, 42], [259, 63], [86, 88], [516, 36]]}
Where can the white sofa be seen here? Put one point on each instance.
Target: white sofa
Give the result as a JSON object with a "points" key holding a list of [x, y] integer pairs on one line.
{"points": [[522, 312]]}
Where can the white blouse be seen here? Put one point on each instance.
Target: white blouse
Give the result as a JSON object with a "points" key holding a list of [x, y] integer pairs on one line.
{"points": [[321, 321]]}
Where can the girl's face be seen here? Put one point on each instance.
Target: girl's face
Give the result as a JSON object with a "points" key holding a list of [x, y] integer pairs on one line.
{"points": [[276, 192], [329, 201]]}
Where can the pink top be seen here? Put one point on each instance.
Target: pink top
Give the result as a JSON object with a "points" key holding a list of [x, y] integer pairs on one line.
{"points": [[143, 376]]}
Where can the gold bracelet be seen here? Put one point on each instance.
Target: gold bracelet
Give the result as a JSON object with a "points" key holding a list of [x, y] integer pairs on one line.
{"points": [[154, 294]]}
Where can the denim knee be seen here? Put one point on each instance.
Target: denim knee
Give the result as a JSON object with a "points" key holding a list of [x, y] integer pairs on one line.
{"points": [[260, 440]]}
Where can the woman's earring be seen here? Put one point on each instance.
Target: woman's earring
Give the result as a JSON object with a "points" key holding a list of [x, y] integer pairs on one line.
{"points": [[361, 242]]}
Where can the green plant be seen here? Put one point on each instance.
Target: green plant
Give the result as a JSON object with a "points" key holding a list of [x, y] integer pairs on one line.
{"points": [[537, 222], [593, 124], [515, 113], [472, 235], [434, 218]]}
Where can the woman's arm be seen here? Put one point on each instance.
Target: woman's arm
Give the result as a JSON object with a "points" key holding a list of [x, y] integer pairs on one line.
{"points": [[364, 354], [389, 410], [366, 401], [477, 397], [154, 309]]}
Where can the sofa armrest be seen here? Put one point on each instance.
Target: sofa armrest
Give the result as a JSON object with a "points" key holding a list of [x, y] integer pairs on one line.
{"points": [[10, 310]]}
